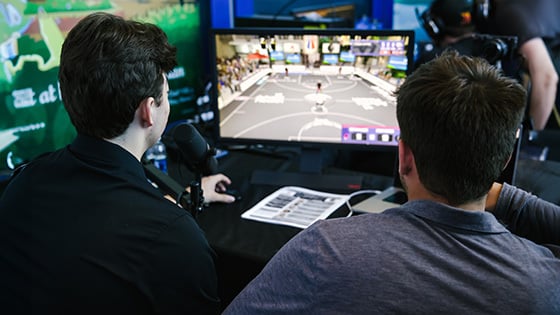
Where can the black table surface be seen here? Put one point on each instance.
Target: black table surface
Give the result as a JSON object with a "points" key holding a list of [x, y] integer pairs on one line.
{"points": [[244, 246], [228, 233]]}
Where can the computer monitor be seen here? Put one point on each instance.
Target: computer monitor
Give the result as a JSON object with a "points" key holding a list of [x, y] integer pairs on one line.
{"points": [[338, 97], [32, 116]]}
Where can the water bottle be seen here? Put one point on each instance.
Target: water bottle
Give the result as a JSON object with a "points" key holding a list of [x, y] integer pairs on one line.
{"points": [[157, 154]]}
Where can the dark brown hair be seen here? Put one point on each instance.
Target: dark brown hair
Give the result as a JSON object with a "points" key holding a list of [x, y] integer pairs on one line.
{"points": [[108, 66], [459, 115]]}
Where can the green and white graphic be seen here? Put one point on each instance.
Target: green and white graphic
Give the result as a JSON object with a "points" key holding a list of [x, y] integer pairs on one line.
{"points": [[32, 116]]}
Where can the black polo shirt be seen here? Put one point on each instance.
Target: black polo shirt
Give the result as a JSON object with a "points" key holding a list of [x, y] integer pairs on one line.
{"points": [[83, 232]]}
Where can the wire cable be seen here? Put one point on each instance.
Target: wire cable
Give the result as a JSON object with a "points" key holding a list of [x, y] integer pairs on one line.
{"points": [[357, 193]]}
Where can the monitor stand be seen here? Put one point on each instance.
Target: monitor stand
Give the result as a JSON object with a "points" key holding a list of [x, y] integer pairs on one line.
{"points": [[310, 175]]}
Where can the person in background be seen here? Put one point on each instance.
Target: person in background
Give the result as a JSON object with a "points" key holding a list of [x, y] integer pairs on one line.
{"points": [[440, 252], [449, 24], [452, 23], [537, 26], [82, 231]]}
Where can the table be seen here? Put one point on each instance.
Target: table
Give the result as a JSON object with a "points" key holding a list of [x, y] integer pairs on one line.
{"points": [[245, 246]]}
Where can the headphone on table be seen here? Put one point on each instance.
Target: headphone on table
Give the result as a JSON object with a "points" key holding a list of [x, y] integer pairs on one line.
{"points": [[448, 16]]}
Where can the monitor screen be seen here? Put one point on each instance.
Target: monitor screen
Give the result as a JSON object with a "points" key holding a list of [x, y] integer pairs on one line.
{"points": [[291, 14], [32, 116], [345, 10], [276, 55], [320, 98], [330, 59], [293, 59], [347, 56], [398, 63]]}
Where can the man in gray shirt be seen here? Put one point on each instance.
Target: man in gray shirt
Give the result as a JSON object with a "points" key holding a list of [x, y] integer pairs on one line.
{"points": [[440, 252]]}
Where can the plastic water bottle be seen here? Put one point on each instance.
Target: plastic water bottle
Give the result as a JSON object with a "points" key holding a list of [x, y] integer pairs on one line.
{"points": [[157, 154]]}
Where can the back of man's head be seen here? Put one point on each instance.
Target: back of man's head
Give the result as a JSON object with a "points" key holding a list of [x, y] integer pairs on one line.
{"points": [[459, 115], [108, 65]]}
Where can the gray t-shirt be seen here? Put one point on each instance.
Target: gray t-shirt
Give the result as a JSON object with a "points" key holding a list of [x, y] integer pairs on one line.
{"points": [[420, 258]]}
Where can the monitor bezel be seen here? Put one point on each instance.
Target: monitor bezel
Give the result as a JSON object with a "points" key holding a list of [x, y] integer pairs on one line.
{"points": [[225, 142]]}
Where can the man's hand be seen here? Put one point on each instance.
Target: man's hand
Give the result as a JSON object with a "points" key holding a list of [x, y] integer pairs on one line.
{"points": [[213, 188]]}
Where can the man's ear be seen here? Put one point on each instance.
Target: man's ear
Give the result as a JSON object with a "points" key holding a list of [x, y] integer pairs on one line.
{"points": [[406, 158], [145, 112]]}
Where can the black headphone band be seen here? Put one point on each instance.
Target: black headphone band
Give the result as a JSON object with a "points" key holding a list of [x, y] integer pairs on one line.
{"points": [[435, 26]]}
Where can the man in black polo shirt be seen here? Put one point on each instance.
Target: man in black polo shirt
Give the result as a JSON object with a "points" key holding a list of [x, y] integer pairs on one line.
{"points": [[82, 231]]}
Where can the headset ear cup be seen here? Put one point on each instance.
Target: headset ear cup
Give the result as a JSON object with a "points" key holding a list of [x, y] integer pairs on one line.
{"points": [[430, 25], [481, 11]]}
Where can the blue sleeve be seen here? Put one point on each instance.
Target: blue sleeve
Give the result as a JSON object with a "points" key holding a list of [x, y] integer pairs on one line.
{"points": [[528, 216]]}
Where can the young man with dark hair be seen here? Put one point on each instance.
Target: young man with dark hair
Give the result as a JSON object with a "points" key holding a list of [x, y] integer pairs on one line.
{"points": [[82, 231], [440, 252]]}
